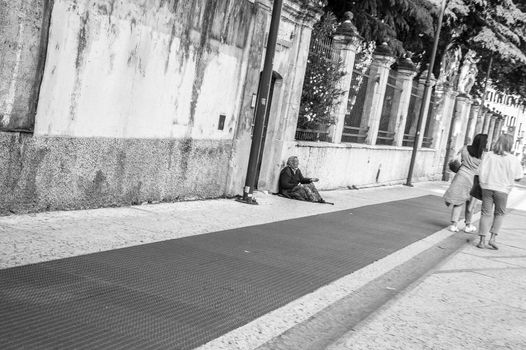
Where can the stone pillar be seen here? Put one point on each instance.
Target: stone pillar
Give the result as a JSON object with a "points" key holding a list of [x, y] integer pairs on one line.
{"points": [[346, 43], [487, 119], [438, 117], [426, 103], [479, 117], [491, 128], [462, 108], [498, 129], [472, 121], [378, 74], [404, 83], [418, 106], [456, 135]]}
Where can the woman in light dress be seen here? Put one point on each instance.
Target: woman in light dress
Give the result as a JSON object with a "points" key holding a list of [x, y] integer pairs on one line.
{"points": [[457, 194]]}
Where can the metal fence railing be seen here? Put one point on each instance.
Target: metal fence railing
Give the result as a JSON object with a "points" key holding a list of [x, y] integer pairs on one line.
{"points": [[353, 131], [412, 115], [385, 135], [354, 134], [312, 135], [427, 141], [409, 141], [323, 47]]}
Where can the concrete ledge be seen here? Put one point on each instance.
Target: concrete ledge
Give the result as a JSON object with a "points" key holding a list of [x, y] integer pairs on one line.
{"points": [[40, 173], [358, 146]]}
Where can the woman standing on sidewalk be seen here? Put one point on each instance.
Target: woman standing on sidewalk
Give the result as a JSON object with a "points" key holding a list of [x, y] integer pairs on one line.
{"points": [[458, 192], [497, 173]]}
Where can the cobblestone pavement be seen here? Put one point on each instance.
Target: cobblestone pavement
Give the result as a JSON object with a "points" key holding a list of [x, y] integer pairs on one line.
{"points": [[474, 300]]}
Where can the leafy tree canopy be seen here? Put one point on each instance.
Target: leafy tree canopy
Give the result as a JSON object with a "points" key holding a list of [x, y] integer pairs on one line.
{"points": [[406, 25], [491, 28], [494, 29]]}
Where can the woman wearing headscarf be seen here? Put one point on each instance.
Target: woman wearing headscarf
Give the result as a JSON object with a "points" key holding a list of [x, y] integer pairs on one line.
{"points": [[498, 171], [458, 192], [292, 183]]}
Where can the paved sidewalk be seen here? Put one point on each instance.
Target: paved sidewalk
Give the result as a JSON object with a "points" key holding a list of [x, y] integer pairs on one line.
{"points": [[33, 238], [27, 239], [475, 300]]}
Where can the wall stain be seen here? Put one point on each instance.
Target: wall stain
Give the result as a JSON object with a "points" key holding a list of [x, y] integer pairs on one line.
{"points": [[171, 145], [133, 195], [82, 40], [22, 172], [107, 9], [185, 150], [200, 61], [120, 171]]}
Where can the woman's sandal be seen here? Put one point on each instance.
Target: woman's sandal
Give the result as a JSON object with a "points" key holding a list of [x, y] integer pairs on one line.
{"points": [[481, 245], [493, 245]]}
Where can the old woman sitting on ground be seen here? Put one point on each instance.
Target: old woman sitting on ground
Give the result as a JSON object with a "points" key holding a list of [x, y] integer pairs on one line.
{"points": [[292, 183]]}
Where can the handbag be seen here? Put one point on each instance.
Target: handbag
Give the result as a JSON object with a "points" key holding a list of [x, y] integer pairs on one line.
{"points": [[476, 190], [454, 165]]}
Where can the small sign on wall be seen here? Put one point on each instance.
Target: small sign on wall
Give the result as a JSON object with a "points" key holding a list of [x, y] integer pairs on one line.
{"points": [[221, 124]]}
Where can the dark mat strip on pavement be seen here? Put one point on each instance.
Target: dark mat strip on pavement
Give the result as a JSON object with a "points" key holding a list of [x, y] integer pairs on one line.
{"points": [[182, 293]]}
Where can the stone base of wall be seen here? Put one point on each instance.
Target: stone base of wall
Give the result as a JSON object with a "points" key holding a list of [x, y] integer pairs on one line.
{"points": [[60, 173], [348, 165]]}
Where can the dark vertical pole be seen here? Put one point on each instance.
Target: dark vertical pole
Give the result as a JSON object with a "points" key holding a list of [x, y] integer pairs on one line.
{"points": [[261, 107], [425, 97]]}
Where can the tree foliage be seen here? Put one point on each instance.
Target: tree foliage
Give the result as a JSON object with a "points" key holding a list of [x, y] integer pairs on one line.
{"points": [[322, 75], [489, 27], [406, 25], [493, 29]]}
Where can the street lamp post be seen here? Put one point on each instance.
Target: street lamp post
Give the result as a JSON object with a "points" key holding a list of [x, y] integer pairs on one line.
{"points": [[261, 105], [427, 84]]}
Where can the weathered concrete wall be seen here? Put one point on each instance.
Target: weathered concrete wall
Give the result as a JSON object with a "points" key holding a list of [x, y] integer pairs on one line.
{"points": [[131, 97], [52, 173], [290, 60], [342, 165], [160, 68], [20, 47]]}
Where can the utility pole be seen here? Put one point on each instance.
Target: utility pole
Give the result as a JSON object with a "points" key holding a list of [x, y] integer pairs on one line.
{"points": [[427, 84], [261, 105]]}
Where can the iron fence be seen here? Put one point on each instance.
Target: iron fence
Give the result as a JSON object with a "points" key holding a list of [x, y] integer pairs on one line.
{"points": [[354, 134], [385, 135], [409, 141], [312, 135], [324, 47]]}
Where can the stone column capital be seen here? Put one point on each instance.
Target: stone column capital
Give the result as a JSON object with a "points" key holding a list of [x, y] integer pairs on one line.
{"points": [[406, 74], [382, 61], [464, 100], [346, 42], [303, 12], [475, 107], [347, 28]]}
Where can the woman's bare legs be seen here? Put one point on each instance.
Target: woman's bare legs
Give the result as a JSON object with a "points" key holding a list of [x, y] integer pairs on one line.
{"points": [[455, 217]]}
